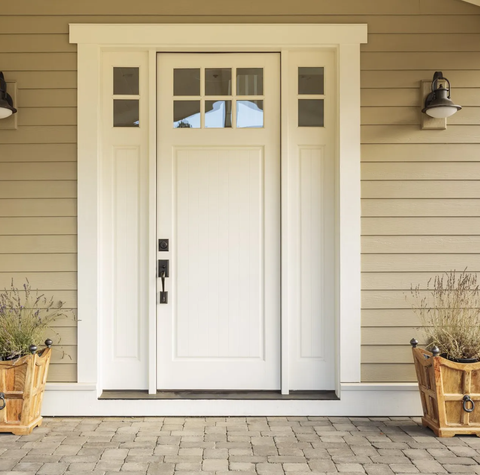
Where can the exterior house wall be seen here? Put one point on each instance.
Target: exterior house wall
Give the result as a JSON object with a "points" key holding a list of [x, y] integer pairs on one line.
{"points": [[419, 187]]}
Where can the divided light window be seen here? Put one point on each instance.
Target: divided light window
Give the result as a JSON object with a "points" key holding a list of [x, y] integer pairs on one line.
{"points": [[126, 97], [218, 98], [311, 94]]}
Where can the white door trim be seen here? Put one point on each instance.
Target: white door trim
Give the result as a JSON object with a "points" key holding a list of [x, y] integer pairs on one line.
{"points": [[345, 40]]}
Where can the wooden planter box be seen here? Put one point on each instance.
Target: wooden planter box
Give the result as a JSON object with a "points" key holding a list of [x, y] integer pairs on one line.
{"points": [[22, 382], [444, 387]]}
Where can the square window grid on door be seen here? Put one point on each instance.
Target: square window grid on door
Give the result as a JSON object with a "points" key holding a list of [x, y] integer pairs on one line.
{"points": [[215, 98], [311, 97], [126, 97]]}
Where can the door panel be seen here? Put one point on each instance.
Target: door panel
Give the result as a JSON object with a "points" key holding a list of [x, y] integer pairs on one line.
{"points": [[219, 255], [219, 205]]}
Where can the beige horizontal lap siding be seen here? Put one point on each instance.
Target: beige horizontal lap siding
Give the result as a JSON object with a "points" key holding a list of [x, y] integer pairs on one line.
{"points": [[420, 189], [38, 187]]}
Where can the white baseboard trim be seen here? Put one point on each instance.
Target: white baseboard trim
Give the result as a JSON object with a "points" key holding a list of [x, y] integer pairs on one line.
{"points": [[381, 400], [71, 387], [380, 387]]}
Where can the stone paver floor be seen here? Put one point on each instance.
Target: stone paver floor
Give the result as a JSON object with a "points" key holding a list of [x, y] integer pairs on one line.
{"points": [[237, 445]]}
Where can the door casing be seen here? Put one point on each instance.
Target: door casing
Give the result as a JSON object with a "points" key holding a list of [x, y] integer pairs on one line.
{"points": [[146, 40]]}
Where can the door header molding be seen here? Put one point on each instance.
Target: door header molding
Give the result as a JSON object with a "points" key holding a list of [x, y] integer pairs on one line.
{"points": [[218, 37]]}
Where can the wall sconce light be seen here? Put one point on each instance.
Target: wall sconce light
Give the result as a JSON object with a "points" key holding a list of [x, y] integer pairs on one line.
{"points": [[437, 103], [6, 101]]}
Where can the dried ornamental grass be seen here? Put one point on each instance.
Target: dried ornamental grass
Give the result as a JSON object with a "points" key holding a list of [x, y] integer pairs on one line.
{"points": [[450, 314], [25, 316]]}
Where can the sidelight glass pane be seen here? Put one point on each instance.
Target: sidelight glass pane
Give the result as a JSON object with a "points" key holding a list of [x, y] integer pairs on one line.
{"points": [[186, 82], [249, 114], [250, 81], [218, 114], [311, 80], [186, 114], [125, 81], [310, 113], [218, 81], [126, 113]]}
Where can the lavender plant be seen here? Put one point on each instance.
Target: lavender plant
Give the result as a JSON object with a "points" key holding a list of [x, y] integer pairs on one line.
{"points": [[450, 314], [25, 315]]}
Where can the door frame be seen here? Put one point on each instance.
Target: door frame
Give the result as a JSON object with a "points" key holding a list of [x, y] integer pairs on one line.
{"points": [[148, 39]]}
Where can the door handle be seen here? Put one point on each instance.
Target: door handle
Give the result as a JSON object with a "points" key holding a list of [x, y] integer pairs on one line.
{"points": [[163, 266], [163, 269]]}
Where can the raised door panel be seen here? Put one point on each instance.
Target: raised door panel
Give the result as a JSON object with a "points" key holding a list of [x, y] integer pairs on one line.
{"points": [[219, 253]]}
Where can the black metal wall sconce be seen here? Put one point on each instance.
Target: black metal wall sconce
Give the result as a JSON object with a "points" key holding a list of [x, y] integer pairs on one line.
{"points": [[438, 105], [6, 101]]}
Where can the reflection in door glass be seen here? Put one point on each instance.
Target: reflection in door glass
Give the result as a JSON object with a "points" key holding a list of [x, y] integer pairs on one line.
{"points": [[186, 114], [310, 113], [218, 81], [250, 81], [125, 81], [310, 80], [126, 113], [249, 114], [186, 82], [218, 114]]}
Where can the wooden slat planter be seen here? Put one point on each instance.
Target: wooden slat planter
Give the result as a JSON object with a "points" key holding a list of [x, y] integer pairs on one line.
{"points": [[22, 382], [443, 386]]}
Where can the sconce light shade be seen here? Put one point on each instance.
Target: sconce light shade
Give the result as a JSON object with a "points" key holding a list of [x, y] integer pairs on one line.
{"points": [[438, 104], [6, 101]]}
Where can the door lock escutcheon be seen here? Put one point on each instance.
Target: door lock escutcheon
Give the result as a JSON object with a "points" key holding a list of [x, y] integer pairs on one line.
{"points": [[163, 245]]}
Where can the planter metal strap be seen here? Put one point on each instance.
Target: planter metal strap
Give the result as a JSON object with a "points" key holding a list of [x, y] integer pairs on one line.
{"points": [[466, 400], [3, 403]]}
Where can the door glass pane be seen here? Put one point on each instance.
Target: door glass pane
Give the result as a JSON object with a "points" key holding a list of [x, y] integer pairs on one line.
{"points": [[218, 81], [125, 81], [218, 114], [310, 112], [249, 114], [310, 80], [186, 82], [250, 81], [186, 114], [126, 113]]}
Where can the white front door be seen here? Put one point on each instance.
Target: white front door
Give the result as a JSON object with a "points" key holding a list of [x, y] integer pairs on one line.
{"points": [[218, 201]]}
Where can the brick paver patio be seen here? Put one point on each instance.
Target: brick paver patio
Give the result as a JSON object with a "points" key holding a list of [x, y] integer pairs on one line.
{"points": [[240, 445]]}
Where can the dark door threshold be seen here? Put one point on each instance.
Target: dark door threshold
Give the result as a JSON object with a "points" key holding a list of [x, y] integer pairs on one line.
{"points": [[253, 395]]}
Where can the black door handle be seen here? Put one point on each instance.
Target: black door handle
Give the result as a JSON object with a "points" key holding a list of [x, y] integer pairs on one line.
{"points": [[163, 268]]}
